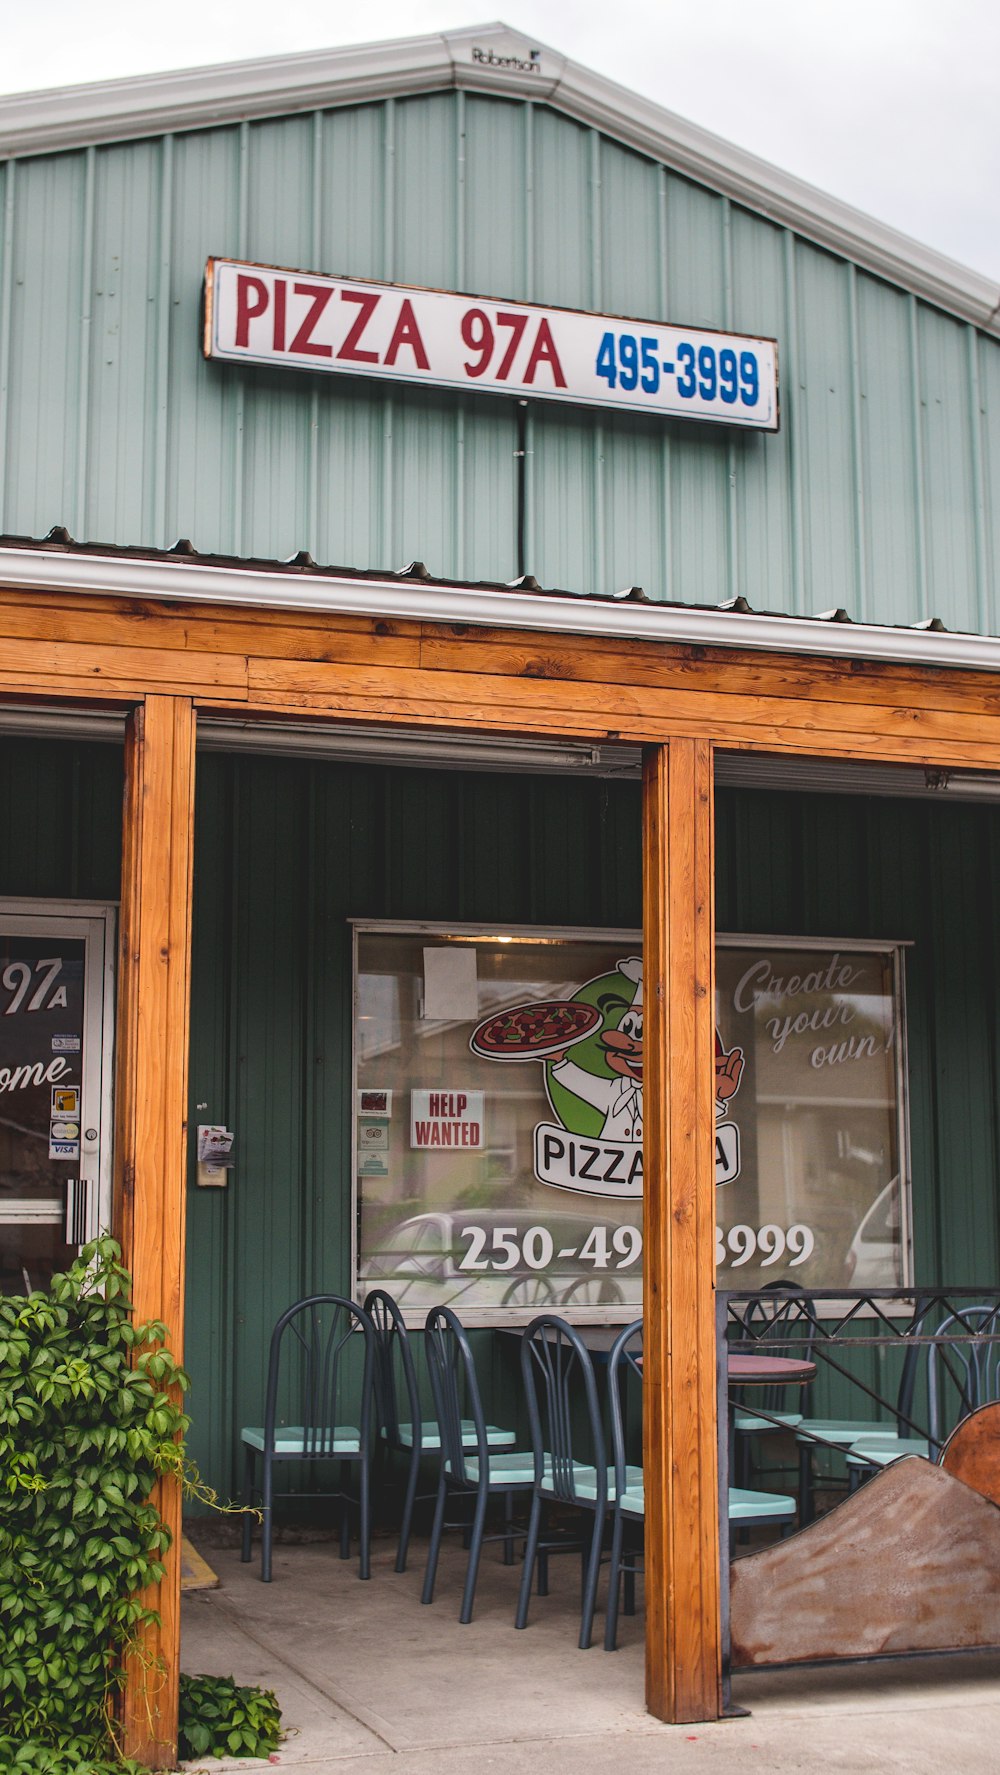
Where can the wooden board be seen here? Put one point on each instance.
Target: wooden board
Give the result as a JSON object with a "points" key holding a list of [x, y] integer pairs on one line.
{"points": [[196, 1573], [287, 664], [972, 1452], [908, 1564], [683, 1662], [151, 1130]]}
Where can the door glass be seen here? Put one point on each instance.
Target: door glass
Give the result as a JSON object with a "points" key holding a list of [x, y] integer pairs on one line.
{"points": [[42, 1106]]}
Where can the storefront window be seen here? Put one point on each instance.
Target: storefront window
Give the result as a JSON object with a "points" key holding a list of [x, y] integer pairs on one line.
{"points": [[499, 1104], [811, 1144]]}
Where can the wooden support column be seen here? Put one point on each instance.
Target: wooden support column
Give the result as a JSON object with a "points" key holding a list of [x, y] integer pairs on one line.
{"points": [[680, 1456], [151, 1126]]}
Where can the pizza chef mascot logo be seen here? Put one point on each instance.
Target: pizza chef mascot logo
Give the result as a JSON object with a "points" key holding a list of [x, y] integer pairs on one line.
{"points": [[591, 1048]]}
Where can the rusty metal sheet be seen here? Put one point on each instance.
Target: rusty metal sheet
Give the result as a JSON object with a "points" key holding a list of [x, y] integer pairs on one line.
{"points": [[908, 1564], [972, 1452]]}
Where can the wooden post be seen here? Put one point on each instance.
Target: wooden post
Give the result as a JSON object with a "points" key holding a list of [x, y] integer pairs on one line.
{"points": [[151, 1126], [680, 1455]]}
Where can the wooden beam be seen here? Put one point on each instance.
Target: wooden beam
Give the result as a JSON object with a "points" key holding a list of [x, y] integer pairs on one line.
{"points": [[281, 664], [151, 1127], [680, 1457]]}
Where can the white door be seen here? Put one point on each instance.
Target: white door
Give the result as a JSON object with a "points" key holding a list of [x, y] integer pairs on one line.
{"points": [[56, 1028]]}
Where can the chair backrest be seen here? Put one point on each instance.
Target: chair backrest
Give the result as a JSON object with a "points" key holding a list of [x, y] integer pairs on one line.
{"points": [[393, 1354], [312, 1373], [624, 1360], [782, 1325], [452, 1369], [564, 1412], [963, 1368]]}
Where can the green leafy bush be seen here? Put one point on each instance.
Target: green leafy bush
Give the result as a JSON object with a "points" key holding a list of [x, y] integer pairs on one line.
{"points": [[86, 1427], [218, 1718], [88, 1422]]}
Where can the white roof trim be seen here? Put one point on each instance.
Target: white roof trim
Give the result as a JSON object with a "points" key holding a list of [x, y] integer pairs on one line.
{"points": [[154, 104], [43, 570]]}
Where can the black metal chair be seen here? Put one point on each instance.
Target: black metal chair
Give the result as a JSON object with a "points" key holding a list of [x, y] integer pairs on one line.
{"points": [[469, 1467], [565, 1418], [838, 1435], [317, 1409], [746, 1508], [624, 1361], [415, 1435], [782, 1325], [963, 1373]]}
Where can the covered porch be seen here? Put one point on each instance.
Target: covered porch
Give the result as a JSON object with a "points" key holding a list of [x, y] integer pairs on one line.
{"points": [[368, 1681], [155, 640]]}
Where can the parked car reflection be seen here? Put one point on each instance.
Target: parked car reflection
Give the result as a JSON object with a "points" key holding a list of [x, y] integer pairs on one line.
{"points": [[874, 1257]]}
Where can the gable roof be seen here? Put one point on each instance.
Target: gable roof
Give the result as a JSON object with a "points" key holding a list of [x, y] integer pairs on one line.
{"points": [[496, 59]]}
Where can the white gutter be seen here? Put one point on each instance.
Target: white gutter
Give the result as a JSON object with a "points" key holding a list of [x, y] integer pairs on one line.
{"points": [[199, 98], [185, 581]]}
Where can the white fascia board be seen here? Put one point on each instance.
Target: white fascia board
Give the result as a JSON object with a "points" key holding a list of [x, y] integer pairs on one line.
{"points": [[197, 98], [767, 190], [154, 104], [185, 581]]}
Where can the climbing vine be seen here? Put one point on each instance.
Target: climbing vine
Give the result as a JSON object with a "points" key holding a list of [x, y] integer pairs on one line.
{"points": [[89, 1420]]}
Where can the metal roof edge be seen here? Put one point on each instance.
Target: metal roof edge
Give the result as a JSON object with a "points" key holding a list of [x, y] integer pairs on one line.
{"points": [[768, 190], [41, 569], [66, 117], [154, 104]]}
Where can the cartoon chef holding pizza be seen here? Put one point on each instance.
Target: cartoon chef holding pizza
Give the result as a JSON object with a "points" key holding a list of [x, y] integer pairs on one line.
{"points": [[596, 1090], [617, 1092]]}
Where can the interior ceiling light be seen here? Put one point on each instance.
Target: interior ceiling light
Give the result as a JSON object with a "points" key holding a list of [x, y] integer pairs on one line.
{"points": [[833, 776], [416, 749], [409, 747]]}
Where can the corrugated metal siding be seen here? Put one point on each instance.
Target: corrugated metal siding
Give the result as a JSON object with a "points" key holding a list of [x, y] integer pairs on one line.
{"points": [[879, 494], [286, 852], [928, 875], [61, 816]]}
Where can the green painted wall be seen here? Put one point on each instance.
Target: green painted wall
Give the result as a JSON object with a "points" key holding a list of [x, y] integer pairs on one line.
{"points": [[285, 854], [876, 495], [60, 820], [288, 851]]}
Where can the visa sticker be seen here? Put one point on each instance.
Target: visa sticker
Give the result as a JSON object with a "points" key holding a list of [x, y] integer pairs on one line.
{"points": [[64, 1149]]}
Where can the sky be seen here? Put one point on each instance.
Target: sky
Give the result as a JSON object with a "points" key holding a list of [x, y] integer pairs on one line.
{"points": [[891, 105]]}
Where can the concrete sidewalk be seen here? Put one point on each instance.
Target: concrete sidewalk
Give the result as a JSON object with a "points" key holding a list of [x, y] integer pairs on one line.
{"points": [[372, 1683]]}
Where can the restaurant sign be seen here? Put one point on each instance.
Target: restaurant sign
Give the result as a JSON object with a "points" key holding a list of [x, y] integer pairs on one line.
{"points": [[263, 314]]}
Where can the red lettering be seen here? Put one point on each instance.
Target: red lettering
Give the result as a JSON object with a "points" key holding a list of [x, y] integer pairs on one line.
{"points": [[280, 295], [244, 312], [406, 332], [517, 324], [350, 348], [304, 340], [422, 1131], [544, 352], [462, 1102], [474, 1133]]}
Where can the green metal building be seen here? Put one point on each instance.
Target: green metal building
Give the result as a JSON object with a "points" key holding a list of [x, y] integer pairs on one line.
{"points": [[478, 164]]}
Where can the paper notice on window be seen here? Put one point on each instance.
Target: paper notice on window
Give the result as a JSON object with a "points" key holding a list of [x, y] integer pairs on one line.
{"points": [[451, 986]]}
